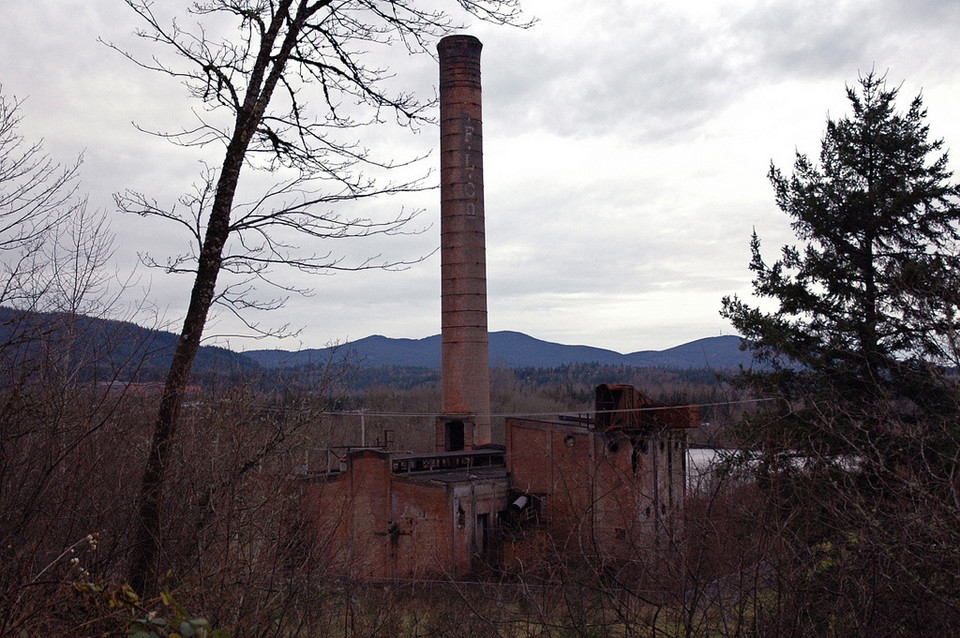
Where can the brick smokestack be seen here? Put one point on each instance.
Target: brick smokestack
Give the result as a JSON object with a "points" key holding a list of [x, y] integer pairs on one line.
{"points": [[466, 352]]}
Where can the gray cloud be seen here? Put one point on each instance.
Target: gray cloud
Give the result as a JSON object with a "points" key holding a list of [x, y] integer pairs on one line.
{"points": [[627, 145]]}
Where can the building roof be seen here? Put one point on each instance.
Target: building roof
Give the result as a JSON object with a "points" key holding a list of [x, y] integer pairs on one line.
{"points": [[450, 477]]}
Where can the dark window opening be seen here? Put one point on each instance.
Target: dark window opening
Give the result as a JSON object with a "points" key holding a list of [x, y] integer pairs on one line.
{"points": [[454, 435], [482, 532]]}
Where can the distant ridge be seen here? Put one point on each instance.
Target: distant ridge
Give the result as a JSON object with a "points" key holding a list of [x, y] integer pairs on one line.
{"points": [[105, 348], [142, 354], [511, 350]]}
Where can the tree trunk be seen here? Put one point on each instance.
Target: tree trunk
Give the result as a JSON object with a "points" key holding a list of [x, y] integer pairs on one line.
{"points": [[147, 552], [144, 567]]}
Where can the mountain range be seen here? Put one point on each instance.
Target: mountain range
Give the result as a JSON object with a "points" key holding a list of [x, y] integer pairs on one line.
{"points": [[116, 345], [101, 348], [511, 350]]}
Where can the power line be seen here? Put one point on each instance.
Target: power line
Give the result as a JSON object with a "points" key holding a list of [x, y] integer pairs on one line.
{"points": [[399, 415]]}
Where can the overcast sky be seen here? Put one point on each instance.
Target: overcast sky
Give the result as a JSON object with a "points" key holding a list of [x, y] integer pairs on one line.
{"points": [[626, 149]]}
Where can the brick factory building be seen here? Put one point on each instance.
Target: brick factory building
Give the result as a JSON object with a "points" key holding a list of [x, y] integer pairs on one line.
{"points": [[609, 484], [612, 481]]}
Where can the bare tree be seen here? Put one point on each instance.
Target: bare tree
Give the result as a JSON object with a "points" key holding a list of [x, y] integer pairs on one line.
{"points": [[255, 87], [37, 195], [59, 479]]}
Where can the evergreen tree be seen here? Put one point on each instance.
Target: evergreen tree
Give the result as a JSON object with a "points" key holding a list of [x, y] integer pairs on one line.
{"points": [[861, 445], [866, 305]]}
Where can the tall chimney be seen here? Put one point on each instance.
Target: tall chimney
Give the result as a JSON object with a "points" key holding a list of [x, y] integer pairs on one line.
{"points": [[465, 422]]}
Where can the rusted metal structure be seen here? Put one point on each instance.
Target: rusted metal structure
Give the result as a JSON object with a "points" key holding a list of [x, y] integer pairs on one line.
{"points": [[624, 407], [465, 419]]}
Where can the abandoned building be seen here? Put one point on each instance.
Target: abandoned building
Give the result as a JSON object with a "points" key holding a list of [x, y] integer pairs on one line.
{"points": [[612, 480]]}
